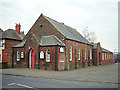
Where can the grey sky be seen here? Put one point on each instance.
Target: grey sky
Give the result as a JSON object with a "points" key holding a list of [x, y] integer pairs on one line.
{"points": [[100, 16]]}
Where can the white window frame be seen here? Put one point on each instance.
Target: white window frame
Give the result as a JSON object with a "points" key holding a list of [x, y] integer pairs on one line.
{"points": [[105, 56], [79, 53], [42, 55], [85, 54], [90, 53], [70, 52], [1, 43], [18, 55], [102, 56], [47, 59]]}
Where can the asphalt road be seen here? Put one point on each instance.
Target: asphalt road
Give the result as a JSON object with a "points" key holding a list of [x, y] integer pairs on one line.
{"points": [[10, 81]]}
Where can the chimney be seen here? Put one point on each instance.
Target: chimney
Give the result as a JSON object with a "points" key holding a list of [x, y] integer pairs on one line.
{"points": [[22, 32], [18, 26], [92, 42]]}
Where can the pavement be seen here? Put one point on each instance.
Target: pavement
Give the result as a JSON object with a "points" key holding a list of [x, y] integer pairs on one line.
{"points": [[100, 74]]}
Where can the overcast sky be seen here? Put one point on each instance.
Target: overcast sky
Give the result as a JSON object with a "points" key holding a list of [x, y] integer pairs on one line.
{"points": [[100, 16]]}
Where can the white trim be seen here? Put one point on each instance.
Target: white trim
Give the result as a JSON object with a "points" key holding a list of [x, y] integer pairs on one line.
{"points": [[30, 58], [47, 60], [90, 53], [18, 55], [70, 52], [79, 53]]}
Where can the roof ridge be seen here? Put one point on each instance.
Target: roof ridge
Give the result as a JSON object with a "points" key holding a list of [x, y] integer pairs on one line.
{"points": [[67, 31], [60, 23]]}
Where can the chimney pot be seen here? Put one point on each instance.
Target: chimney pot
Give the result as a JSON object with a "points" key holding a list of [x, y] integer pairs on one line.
{"points": [[18, 27]]}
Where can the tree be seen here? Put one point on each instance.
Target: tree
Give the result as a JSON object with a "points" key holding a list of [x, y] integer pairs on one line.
{"points": [[90, 36]]}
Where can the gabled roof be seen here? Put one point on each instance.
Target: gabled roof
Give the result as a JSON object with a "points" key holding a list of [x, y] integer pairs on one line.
{"points": [[10, 34], [44, 41], [50, 40], [67, 31], [105, 50]]}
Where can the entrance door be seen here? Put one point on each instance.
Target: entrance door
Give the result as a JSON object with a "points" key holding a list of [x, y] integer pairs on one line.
{"points": [[31, 58]]}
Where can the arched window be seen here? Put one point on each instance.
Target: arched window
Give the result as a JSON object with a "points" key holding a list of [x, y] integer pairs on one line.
{"points": [[47, 55], [79, 53], [70, 52], [18, 56]]}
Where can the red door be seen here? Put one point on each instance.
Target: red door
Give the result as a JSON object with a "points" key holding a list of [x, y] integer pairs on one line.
{"points": [[32, 59]]}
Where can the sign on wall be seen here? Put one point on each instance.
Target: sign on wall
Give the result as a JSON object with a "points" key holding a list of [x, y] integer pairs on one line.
{"points": [[41, 54], [22, 54], [61, 49]]}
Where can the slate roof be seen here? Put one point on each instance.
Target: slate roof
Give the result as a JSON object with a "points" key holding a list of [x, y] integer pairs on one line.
{"points": [[20, 44], [105, 50], [50, 40], [22, 35], [67, 31], [10, 34]]}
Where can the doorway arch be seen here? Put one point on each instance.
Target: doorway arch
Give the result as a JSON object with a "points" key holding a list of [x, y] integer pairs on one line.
{"points": [[31, 58]]}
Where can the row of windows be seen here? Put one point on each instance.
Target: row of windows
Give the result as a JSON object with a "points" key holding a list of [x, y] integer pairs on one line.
{"points": [[41, 55], [18, 55], [48, 54], [107, 56], [79, 53]]}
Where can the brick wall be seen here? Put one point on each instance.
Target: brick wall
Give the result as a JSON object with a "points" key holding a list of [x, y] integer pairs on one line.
{"points": [[7, 57], [19, 64], [75, 63], [46, 29], [108, 60], [9, 43]]}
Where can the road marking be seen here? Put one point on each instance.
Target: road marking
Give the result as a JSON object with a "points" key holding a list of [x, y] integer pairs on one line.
{"points": [[24, 86], [11, 84]]}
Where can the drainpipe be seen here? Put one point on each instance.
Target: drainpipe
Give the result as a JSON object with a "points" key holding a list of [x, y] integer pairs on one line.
{"points": [[12, 58], [56, 61]]}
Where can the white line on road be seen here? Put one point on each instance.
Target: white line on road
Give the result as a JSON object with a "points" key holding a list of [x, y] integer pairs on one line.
{"points": [[11, 84], [24, 86]]}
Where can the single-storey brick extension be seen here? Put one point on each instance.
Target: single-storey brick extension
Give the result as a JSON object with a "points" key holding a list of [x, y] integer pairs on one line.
{"points": [[51, 45], [8, 39]]}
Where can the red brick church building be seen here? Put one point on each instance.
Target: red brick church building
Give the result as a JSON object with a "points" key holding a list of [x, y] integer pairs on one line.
{"points": [[51, 45]]}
